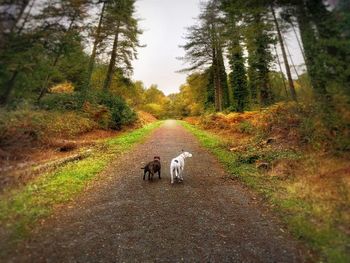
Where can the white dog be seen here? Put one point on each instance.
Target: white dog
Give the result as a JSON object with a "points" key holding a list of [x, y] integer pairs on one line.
{"points": [[177, 166]]}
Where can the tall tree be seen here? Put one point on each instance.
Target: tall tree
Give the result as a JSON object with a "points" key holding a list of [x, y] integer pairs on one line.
{"points": [[256, 28], [280, 68], [11, 13], [284, 54], [238, 77], [258, 40], [124, 31], [325, 45], [233, 36], [97, 41], [204, 50]]}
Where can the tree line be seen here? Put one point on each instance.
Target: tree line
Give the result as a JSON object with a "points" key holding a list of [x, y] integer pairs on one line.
{"points": [[245, 34], [231, 52]]}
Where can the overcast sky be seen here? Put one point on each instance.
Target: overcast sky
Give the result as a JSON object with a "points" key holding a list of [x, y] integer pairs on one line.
{"points": [[164, 23]]}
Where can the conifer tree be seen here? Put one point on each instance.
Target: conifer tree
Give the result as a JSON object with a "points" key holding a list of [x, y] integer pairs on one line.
{"points": [[238, 77], [258, 39], [97, 40], [233, 36], [122, 26], [204, 50]]}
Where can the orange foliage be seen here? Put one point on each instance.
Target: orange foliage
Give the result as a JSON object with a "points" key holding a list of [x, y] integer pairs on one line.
{"points": [[145, 117], [65, 87]]}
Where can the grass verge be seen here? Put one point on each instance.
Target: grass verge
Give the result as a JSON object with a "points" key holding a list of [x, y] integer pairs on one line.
{"points": [[305, 217], [22, 208]]}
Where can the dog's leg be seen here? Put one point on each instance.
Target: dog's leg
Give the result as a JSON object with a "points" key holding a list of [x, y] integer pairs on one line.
{"points": [[181, 173], [159, 174], [171, 174], [144, 174], [177, 173]]}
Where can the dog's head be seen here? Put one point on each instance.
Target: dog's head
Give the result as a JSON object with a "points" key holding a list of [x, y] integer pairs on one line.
{"points": [[156, 158], [186, 154]]}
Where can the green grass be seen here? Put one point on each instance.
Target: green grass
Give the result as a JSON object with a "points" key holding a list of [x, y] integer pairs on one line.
{"points": [[22, 208], [324, 238]]}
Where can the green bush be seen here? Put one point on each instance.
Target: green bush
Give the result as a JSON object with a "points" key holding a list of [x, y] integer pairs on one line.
{"points": [[61, 102], [246, 127], [121, 113]]}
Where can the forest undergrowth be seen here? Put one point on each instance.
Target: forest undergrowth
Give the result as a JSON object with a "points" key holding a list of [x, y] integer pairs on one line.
{"points": [[298, 166]]}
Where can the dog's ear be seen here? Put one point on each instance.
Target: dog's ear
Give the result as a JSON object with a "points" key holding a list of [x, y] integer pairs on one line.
{"points": [[156, 157]]}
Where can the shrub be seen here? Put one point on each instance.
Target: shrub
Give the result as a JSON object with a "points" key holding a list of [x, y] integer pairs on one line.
{"points": [[246, 127], [107, 110], [154, 109], [25, 126], [99, 113], [121, 113], [61, 101]]}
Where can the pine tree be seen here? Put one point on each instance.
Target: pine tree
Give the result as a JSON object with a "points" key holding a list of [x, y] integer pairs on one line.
{"points": [[258, 44], [325, 45], [233, 36], [238, 77], [204, 50], [96, 42], [123, 27]]}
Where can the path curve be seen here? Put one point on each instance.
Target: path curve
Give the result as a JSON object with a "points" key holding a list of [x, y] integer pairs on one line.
{"points": [[121, 218]]}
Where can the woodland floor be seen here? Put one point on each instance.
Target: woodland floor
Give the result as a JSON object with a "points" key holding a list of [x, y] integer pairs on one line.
{"points": [[121, 218], [18, 158]]}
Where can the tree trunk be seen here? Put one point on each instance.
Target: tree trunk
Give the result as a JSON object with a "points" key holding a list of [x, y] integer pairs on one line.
{"points": [[25, 20], [291, 59], [94, 50], [312, 52], [216, 70], [8, 89], [216, 88], [218, 83], [280, 66], [225, 100], [265, 91], [11, 82], [111, 67], [22, 7], [48, 77], [280, 38], [9, 20]]}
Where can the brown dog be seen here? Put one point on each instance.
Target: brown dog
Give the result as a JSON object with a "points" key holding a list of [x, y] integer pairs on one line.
{"points": [[151, 168]]}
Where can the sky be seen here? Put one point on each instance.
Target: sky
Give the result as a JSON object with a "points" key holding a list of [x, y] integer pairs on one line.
{"points": [[164, 23]]}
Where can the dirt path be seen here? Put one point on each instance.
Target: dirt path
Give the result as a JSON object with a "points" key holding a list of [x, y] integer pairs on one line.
{"points": [[122, 218]]}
